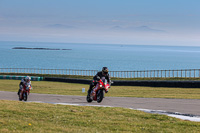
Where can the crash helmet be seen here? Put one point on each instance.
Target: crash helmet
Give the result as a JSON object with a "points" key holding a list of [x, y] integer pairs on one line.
{"points": [[28, 79], [104, 70]]}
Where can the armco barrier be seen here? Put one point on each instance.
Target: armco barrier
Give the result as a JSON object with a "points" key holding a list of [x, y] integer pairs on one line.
{"points": [[182, 84], [33, 78]]}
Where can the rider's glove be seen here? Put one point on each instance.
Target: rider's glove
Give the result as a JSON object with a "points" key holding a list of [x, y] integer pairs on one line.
{"points": [[98, 78]]}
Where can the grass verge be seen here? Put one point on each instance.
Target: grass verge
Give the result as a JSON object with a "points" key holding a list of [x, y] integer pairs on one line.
{"points": [[40, 117], [115, 91]]}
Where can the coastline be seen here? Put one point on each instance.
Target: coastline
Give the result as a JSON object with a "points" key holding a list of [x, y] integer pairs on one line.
{"points": [[39, 48]]}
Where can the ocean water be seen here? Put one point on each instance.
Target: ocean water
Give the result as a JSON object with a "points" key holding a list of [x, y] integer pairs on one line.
{"points": [[95, 56]]}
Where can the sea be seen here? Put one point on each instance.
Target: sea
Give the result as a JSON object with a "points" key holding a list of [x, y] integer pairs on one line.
{"points": [[117, 57]]}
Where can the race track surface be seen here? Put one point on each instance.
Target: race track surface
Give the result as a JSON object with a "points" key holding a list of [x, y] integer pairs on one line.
{"points": [[183, 106]]}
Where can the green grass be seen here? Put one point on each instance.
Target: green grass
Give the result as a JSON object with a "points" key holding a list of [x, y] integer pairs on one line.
{"points": [[115, 91], [40, 117]]}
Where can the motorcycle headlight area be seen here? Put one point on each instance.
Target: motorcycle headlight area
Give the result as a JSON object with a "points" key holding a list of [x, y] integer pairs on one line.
{"points": [[100, 85]]}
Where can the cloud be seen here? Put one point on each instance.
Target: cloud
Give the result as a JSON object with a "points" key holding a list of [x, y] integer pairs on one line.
{"points": [[146, 29], [137, 29], [59, 26]]}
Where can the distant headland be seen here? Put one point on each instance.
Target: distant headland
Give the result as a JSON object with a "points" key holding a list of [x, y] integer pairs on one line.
{"points": [[40, 48]]}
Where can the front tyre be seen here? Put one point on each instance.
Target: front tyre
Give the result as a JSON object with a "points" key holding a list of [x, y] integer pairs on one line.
{"points": [[20, 96], [89, 100], [20, 99], [25, 96], [100, 95]]}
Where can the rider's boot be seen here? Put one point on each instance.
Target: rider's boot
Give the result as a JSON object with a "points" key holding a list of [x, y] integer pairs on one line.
{"points": [[90, 89], [18, 92]]}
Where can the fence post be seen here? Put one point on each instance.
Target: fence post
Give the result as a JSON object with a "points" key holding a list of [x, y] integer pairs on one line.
{"points": [[185, 73], [181, 73], [157, 73], [177, 73], [199, 72], [150, 73]]}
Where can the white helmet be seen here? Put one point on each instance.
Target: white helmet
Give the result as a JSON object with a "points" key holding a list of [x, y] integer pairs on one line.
{"points": [[28, 79]]}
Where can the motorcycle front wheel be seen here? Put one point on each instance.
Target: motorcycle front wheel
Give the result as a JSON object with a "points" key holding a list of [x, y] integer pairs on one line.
{"points": [[20, 97], [100, 95], [25, 96], [89, 100]]}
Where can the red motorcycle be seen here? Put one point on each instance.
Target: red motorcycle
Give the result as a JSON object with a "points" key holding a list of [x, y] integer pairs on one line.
{"points": [[23, 95], [98, 91]]}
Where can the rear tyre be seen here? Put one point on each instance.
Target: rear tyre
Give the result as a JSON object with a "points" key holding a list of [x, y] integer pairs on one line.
{"points": [[100, 96]]}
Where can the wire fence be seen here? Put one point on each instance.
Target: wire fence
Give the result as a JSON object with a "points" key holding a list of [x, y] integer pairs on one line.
{"points": [[49, 71], [183, 73]]}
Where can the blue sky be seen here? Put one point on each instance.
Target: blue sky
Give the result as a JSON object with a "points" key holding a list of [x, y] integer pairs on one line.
{"points": [[148, 22]]}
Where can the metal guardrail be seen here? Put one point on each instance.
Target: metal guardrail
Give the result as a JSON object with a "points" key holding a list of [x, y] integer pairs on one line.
{"points": [[183, 73], [49, 71]]}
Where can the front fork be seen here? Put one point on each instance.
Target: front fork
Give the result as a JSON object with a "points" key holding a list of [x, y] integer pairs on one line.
{"points": [[103, 90], [22, 94]]}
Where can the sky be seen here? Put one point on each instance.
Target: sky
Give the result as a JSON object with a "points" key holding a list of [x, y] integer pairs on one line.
{"points": [[140, 22]]}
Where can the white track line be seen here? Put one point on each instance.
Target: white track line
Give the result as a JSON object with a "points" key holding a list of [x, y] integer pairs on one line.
{"points": [[171, 114]]}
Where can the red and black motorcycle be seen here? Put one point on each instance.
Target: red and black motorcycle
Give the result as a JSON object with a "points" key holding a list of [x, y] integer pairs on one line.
{"points": [[23, 95], [98, 91]]}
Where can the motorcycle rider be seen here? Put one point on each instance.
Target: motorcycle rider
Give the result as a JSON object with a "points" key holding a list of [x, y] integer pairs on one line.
{"points": [[98, 76], [24, 81]]}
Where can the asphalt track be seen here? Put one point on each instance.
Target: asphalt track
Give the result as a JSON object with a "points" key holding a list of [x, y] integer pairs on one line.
{"points": [[184, 107]]}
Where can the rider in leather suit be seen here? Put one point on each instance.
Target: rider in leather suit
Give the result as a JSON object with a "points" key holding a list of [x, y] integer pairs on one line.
{"points": [[98, 76]]}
